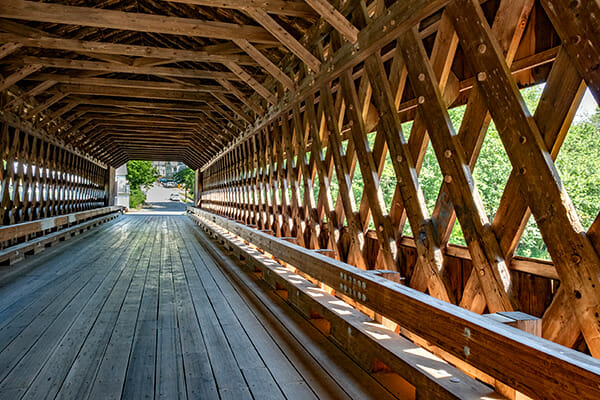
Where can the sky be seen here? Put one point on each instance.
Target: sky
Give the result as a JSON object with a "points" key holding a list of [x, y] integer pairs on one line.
{"points": [[588, 105]]}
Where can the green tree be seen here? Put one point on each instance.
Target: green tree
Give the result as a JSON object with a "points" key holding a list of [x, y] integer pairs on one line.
{"points": [[186, 177], [578, 164], [139, 174]]}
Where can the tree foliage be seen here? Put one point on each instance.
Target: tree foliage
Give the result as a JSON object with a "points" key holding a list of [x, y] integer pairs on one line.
{"points": [[139, 174], [578, 164], [185, 177]]}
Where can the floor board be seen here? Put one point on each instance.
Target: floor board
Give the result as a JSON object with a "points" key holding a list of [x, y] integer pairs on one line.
{"points": [[139, 308]]}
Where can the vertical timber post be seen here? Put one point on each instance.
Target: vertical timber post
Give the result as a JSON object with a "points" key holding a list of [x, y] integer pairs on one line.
{"points": [[197, 188], [110, 186]]}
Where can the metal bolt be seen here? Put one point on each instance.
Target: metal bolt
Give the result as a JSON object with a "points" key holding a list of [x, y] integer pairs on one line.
{"points": [[467, 333], [421, 99], [522, 140], [523, 171], [482, 76], [481, 48], [482, 272], [448, 153], [399, 158], [448, 179], [576, 258], [467, 351], [421, 77]]}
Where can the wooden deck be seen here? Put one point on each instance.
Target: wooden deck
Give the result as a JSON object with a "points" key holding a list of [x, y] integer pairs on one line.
{"points": [[139, 309]]}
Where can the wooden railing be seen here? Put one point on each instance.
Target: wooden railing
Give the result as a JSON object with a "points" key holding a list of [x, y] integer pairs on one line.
{"points": [[19, 239], [529, 364]]}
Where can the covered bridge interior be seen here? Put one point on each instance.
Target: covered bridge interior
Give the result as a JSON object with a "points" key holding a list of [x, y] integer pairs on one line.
{"points": [[283, 280]]}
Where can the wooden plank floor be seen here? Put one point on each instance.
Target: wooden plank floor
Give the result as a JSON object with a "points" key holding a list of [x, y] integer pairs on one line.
{"points": [[138, 309]]}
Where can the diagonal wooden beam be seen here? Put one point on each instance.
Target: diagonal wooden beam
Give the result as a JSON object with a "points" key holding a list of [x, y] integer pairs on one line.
{"points": [[330, 14], [485, 251], [101, 18], [238, 93], [56, 114], [398, 18], [41, 107], [575, 259], [250, 81], [264, 62], [284, 37], [8, 48], [19, 75], [576, 24], [42, 87], [223, 99]]}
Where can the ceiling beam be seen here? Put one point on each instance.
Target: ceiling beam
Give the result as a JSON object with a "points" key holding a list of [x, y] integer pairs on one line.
{"points": [[290, 8], [67, 63], [91, 90], [152, 105], [112, 19], [47, 42], [126, 83]]}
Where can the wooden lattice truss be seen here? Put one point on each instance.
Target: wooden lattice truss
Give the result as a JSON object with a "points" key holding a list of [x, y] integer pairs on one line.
{"points": [[273, 100]]}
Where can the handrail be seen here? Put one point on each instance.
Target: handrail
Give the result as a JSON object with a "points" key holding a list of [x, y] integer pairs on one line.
{"points": [[532, 365], [17, 231]]}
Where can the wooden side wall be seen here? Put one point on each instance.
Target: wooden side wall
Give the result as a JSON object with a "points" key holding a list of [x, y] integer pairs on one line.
{"points": [[41, 179], [277, 177]]}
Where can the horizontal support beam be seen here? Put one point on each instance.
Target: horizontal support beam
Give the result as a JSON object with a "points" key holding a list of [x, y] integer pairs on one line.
{"points": [[127, 83], [472, 338], [47, 42], [101, 18], [280, 7], [139, 93], [67, 63], [17, 231]]}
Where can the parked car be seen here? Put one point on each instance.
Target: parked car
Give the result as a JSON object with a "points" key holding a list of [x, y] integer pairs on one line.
{"points": [[174, 197]]}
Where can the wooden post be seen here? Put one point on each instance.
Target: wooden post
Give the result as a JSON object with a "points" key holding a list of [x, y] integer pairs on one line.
{"points": [[197, 188], [110, 186]]}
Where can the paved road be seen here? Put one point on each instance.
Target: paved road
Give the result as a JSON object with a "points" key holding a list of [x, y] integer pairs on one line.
{"points": [[158, 202]]}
